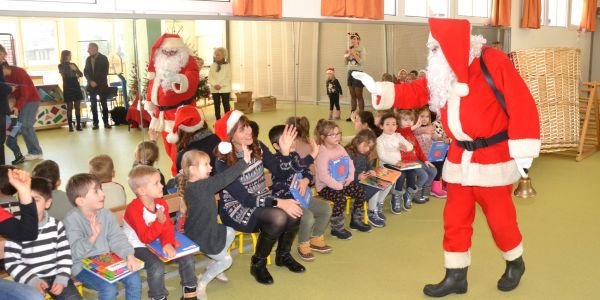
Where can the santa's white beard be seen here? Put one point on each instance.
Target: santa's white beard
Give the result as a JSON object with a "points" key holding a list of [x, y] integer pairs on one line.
{"points": [[440, 78], [169, 66]]}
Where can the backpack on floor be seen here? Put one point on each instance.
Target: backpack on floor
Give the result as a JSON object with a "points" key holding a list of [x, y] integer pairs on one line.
{"points": [[119, 115]]}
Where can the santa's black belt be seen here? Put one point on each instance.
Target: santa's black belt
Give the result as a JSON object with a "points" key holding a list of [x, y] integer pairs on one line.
{"points": [[186, 102], [482, 143]]}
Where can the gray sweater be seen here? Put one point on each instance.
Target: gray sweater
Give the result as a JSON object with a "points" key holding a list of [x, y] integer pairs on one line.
{"points": [[110, 239]]}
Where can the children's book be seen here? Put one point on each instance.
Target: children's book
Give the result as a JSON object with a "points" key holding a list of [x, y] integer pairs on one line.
{"points": [[438, 151], [339, 169], [383, 178], [295, 190], [404, 167], [184, 246], [108, 266]]}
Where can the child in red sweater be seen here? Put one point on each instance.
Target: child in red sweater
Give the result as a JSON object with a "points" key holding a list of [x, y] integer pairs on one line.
{"points": [[146, 219], [418, 181]]}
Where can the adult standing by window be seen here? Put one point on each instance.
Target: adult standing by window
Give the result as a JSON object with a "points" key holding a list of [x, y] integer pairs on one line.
{"points": [[28, 102], [96, 73], [219, 78], [355, 60], [71, 89]]}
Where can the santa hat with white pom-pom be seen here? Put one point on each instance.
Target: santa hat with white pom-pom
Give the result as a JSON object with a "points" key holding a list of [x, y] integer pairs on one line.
{"points": [[225, 125], [454, 38], [188, 119]]}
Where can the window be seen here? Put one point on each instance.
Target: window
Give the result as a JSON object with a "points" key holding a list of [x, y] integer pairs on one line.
{"points": [[389, 7], [427, 8], [39, 42], [576, 11], [475, 8], [10, 29], [555, 12]]}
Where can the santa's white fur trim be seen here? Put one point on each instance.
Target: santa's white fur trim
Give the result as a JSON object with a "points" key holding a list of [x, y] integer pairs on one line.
{"points": [[387, 98], [461, 89], [454, 118], [168, 125], [183, 84], [149, 107], [173, 43], [154, 93], [234, 117], [457, 260], [513, 254], [154, 124], [172, 138], [191, 129], [151, 75], [225, 147], [524, 148], [474, 174]]}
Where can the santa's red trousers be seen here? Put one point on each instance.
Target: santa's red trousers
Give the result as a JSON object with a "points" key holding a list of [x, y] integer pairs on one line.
{"points": [[171, 150], [499, 210]]}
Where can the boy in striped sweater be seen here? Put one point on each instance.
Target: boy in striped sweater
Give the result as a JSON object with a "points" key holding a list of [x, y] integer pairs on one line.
{"points": [[45, 263]]}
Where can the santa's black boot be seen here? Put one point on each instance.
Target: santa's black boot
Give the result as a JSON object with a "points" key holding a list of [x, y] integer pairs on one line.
{"points": [[512, 275], [259, 261], [455, 282]]}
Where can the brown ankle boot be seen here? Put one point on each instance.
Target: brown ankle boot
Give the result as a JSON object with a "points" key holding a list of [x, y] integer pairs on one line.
{"points": [[305, 252], [317, 243]]}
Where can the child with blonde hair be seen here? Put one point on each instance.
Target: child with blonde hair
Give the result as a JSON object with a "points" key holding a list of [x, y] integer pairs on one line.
{"points": [[103, 168], [146, 153], [334, 90], [328, 136]]}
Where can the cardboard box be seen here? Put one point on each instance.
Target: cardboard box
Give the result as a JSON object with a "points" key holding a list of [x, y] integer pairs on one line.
{"points": [[245, 107], [244, 96], [263, 104]]}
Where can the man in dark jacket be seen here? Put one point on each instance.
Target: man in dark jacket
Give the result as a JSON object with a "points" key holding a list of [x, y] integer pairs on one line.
{"points": [[96, 72]]}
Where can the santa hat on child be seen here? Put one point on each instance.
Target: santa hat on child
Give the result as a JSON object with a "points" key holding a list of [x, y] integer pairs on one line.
{"points": [[167, 40], [188, 119], [223, 126], [330, 70], [454, 38]]}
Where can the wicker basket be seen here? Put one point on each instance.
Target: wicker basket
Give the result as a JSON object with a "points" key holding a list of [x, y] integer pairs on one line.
{"points": [[552, 75]]}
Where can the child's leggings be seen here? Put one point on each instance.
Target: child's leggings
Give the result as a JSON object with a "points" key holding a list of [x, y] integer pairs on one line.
{"points": [[222, 260], [339, 200], [379, 197], [334, 100]]}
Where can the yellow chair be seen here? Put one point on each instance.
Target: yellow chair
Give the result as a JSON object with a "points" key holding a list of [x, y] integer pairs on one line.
{"points": [[241, 236]]}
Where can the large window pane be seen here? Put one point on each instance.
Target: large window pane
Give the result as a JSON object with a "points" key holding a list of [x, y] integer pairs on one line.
{"points": [[39, 42], [415, 8], [389, 7], [10, 27], [482, 8], [557, 13], [465, 7], [438, 8], [576, 11]]}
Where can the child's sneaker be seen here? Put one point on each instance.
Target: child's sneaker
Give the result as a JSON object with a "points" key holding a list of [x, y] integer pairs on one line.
{"points": [[317, 243], [375, 220], [19, 159], [305, 252], [341, 234], [379, 211], [193, 292], [396, 206], [437, 190]]}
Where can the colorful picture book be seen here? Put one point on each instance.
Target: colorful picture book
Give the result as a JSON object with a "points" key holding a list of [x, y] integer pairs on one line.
{"points": [[184, 246], [438, 151], [295, 190], [404, 167], [339, 169], [108, 266], [383, 178]]}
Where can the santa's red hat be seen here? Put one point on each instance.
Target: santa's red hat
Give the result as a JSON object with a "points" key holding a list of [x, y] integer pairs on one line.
{"points": [[167, 40], [330, 70], [454, 37], [188, 119], [223, 126]]}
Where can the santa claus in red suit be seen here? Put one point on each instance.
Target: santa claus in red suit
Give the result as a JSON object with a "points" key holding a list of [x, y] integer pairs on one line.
{"points": [[491, 147], [174, 78]]}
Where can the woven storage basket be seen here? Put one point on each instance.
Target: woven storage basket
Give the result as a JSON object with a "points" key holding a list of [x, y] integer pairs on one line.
{"points": [[552, 75]]}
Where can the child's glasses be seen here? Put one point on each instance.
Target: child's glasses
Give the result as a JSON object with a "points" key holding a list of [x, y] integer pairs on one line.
{"points": [[335, 134]]}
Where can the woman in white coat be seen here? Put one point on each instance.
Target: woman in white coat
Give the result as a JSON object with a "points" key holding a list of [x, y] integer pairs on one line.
{"points": [[219, 79]]}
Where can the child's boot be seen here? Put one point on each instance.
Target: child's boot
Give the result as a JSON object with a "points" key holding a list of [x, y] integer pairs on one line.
{"points": [[337, 228], [420, 197], [407, 198], [437, 190], [19, 159], [375, 220], [330, 115], [191, 293], [397, 199], [358, 220], [317, 243], [338, 114], [379, 211], [305, 252]]}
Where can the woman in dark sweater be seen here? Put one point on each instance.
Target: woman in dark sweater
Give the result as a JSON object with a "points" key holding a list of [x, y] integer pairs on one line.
{"points": [[246, 205], [201, 224], [71, 89], [25, 229]]}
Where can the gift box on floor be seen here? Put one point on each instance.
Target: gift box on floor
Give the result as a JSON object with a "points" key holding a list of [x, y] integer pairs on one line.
{"points": [[244, 96], [245, 107], [263, 104]]}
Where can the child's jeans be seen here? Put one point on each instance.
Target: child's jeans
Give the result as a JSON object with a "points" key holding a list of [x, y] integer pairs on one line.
{"points": [[15, 290], [108, 291], [314, 220], [423, 176], [222, 260], [155, 271], [11, 143]]}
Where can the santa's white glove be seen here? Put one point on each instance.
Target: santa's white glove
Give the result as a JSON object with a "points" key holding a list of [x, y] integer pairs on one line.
{"points": [[522, 164], [172, 77], [368, 82]]}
